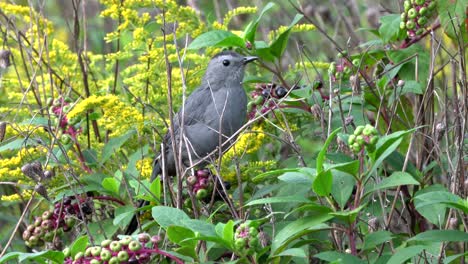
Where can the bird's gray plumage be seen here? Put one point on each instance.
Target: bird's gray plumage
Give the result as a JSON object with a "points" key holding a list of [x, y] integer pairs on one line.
{"points": [[217, 107], [215, 110]]}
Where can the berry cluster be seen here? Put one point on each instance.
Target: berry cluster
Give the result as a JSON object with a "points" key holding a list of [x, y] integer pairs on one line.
{"points": [[53, 223], [363, 136], [126, 250], [200, 183], [342, 69], [416, 16], [68, 128], [261, 98], [246, 239]]}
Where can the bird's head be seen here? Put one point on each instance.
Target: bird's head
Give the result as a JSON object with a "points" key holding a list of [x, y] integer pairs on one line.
{"points": [[226, 69]]}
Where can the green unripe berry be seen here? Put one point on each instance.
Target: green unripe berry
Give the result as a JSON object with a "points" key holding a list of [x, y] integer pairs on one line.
{"points": [[95, 251], [420, 31], [240, 243], [402, 25], [367, 131], [66, 252], [347, 70], [134, 246], [432, 5], [79, 255], [422, 21], [360, 140], [70, 221], [420, 2], [423, 11], [48, 236], [373, 141], [202, 193], [356, 62], [106, 243], [115, 246], [358, 130], [253, 232], [253, 243], [114, 260], [403, 17], [258, 100], [250, 106], [410, 24], [412, 13], [407, 5], [123, 256], [356, 147], [88, 252], [33, 240], [95, 261], [105, 254], [126, 240]]}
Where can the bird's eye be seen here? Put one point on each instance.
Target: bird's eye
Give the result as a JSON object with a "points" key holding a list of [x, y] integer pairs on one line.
{"points": [[226, 62]]}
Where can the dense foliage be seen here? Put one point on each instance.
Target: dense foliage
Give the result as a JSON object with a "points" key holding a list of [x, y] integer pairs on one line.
{"points": [[354, 150]]}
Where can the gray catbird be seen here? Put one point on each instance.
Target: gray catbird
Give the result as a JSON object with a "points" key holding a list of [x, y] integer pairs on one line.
{"points": [[211, 115]]}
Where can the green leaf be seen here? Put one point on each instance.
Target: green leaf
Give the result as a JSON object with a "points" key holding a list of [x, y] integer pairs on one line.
{"points": [[216, 38], [407, 71], [452, 259], [278, 46], [403, 254], [342, 187], [374, 239], [15, 144], [112, 185], [396, 179], [37, 257], [323, 151], [113, 145], [296, 229], [123, 215], [385, 147], [347, 215], [452, 14], [442, 197], [181, 236], [228, 232], [270, 174], [433, 212], [166, 216], [389, 27], [280, 199], [293, 252], [296, 177], [155, 188], [351, 167], [440, 236], [338, 257], [323, 183], [251, 29], [79, 245]]}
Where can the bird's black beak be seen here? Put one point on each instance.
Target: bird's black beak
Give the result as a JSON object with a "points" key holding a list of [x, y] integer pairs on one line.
{"points": [[249, 59]]}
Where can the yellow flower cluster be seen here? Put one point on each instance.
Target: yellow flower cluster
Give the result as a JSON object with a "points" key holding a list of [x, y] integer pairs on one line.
{"points": [[145, 167], [25, 195], [118, 117], [248, 143], [237, 11], [295, 28], [10, 167]]}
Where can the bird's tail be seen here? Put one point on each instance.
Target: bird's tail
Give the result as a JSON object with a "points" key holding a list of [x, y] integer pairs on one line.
{"points": [[134, 222]]}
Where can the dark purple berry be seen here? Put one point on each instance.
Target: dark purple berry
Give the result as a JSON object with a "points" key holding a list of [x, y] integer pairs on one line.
{"points": [[280, 92]]}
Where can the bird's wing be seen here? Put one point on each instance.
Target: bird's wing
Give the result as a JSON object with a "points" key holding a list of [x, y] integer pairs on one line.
{"points": [[194, 110]]}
